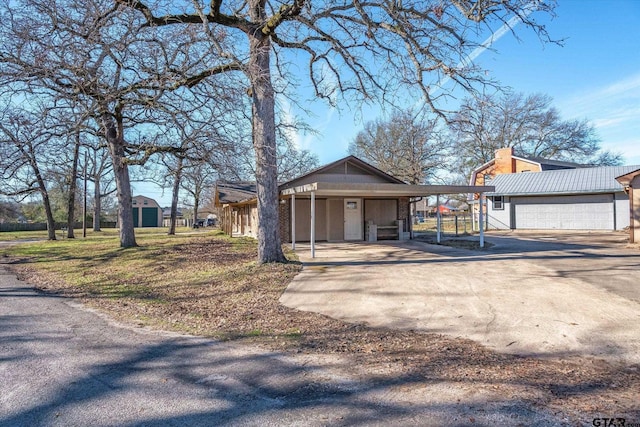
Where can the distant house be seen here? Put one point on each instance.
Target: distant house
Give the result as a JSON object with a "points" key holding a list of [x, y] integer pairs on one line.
{"points": [[166, 217], [566, 199], [631, 184], [443, 208], [146, 212]]}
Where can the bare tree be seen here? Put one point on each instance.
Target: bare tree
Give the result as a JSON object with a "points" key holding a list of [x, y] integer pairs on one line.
{"points": [[99, 173], [25, 152], [9, 211], [407, 145], [367, 49], [529, 124], [293, 161], [96, 55], [197, 179]]}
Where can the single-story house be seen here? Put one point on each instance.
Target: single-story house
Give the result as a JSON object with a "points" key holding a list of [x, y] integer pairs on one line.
{"points": [[347, 200], [631, 182], [564, 199], [146, 212], [239, 208]]}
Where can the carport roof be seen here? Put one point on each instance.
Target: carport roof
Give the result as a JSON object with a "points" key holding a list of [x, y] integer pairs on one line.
{"points": [[381, 189], [628, 177], [561, 182]]}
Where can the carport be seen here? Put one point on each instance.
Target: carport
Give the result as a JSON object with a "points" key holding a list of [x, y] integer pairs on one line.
{"points": [[352, 192]]}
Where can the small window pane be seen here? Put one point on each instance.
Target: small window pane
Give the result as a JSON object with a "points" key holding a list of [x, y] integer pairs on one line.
{"points": [[352, 205], [497, 203]]}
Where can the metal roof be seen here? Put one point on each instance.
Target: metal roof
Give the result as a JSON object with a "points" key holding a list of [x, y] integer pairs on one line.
{"points": [[234, 192], [563, 181]]}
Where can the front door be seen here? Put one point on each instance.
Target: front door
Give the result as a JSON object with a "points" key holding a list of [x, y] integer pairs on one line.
{"points": [[352, 219]]}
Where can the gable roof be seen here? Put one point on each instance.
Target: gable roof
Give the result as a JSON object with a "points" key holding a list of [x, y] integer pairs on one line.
{"points": [[562, 181], [628, 177], [234, 192], [239, 192], [544, 164], [353, 160]]}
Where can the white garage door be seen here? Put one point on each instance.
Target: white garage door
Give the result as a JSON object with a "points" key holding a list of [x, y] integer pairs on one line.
{"points": [[589, 212]]}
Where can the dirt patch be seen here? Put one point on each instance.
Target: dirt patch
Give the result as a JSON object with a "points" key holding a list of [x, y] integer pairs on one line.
{"points": [[462, 241], [234, 298]]}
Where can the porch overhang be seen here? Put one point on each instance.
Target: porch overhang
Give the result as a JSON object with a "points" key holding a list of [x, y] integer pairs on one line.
{"points": [[381, 189], [355, 189]]}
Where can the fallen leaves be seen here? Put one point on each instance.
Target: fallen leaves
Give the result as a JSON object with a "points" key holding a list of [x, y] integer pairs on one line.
{"points": [[211, 286]]}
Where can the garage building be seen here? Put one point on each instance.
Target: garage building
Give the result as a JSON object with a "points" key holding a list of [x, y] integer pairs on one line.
{"points": [[568, 199], [146, 212]]}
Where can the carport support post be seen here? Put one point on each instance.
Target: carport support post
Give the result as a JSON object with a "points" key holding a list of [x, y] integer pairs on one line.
{"points": [[438, 220], [481, 221], [313, 224], [293, 222]]}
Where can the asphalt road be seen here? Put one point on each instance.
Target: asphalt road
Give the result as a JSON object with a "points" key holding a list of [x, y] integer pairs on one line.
{"points": [[63, 365]]}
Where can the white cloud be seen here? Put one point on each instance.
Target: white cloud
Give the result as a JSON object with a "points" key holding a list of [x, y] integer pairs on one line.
{"points": [[614, 110], [617, 97]]}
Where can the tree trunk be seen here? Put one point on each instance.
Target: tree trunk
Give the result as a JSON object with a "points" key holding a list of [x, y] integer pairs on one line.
{"points": [[73, 182], [97, 202], [196, 206], [115, 141], [51, 223], [264, 143], [174, 197]]}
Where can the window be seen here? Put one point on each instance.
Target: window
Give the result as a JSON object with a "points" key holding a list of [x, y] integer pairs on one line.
{"points": [[497, 203], [352, 205]]}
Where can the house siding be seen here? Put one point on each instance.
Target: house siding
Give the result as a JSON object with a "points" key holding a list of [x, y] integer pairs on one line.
{"points": [[622, 211], [570, 212], [330, 216], [634, 208], [284, 219], [404, 213], [499, 219]]}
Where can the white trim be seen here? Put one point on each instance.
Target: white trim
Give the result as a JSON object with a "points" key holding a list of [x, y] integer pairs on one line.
{"points": [[372, 189], [293, 222], [313, 224], [481, 221]]}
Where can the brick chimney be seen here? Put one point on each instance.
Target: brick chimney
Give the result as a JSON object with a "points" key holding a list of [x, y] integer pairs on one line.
{"points": [[504, 161]]}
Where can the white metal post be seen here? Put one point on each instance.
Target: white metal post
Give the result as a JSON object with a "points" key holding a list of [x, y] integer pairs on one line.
{"points": [[481, 221], [438, 221], [293, 221], [313, 224]]}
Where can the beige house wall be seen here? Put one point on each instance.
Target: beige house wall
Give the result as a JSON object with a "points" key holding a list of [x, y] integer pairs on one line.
{"points": [[634, 207], [330, 216]]}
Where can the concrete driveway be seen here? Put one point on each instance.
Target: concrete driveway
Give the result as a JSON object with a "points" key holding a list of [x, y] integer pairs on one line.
{"points": [[546, 294]]}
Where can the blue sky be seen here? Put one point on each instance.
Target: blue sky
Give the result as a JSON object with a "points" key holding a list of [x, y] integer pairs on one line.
{"points": [[594, 76]]}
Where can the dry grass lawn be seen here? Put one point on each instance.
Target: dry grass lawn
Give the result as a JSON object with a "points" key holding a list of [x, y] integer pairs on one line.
{"points": [[210, 285]]}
